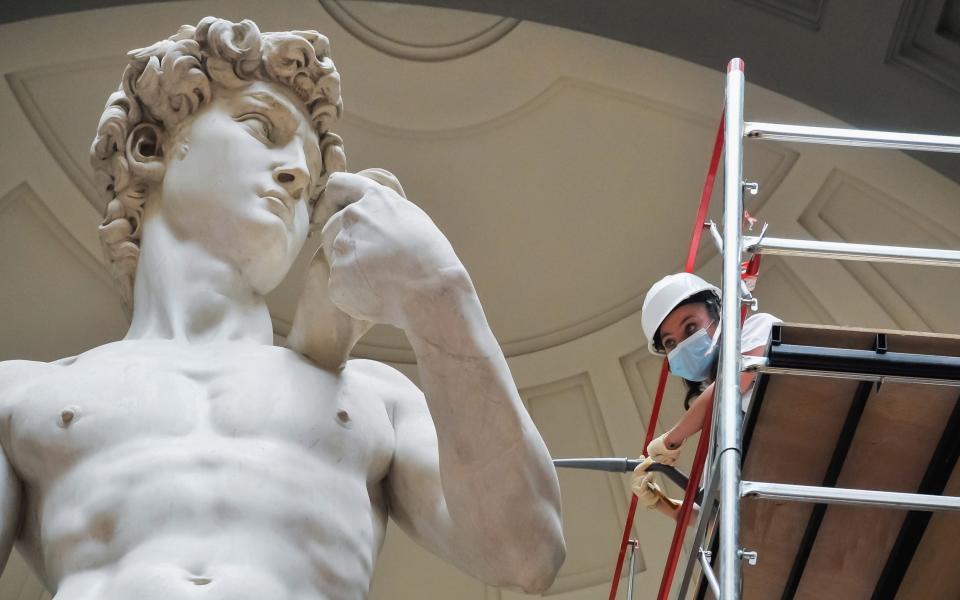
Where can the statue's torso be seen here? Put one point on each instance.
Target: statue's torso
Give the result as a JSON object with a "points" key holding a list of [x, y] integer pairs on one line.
{"points": [[156, 470]]}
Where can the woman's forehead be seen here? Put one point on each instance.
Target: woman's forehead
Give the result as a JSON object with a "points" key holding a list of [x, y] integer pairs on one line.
{"points": [[696, 311]]}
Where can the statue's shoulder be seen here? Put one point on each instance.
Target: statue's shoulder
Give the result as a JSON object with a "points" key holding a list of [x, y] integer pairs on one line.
{"points": [[381, 372], [16, 376], [13, 371], [17, 373], [391, 384]]}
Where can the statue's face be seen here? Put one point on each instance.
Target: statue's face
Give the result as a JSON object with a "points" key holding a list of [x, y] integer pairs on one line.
{"points": [[238, 179]]}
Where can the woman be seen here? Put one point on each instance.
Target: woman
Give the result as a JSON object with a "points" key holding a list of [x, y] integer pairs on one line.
{"points": [[681, 319]]}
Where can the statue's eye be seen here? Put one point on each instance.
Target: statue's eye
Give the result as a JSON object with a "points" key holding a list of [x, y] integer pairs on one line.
{"points": [[258, 124]]}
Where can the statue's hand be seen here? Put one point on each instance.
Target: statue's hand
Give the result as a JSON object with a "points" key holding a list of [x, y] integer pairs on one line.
{"points": [[387, 258]]}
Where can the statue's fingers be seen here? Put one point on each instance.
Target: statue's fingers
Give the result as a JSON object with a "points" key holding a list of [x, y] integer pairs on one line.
{"points": [[343, 189], [342, 247], [349, 291], [384, 178], [350, 215], [347, 185], [329, 233]]}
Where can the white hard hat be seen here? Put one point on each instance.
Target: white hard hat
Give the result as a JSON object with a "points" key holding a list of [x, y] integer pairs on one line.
{"points": [[664, 296]]}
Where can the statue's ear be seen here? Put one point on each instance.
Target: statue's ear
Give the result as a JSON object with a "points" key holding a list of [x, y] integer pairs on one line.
{"points": [[145, 156]]}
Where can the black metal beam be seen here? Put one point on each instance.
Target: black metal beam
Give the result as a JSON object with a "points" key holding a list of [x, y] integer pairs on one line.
{"points": [[865, 362], [844, 441], [938, 473], [753, 413]]}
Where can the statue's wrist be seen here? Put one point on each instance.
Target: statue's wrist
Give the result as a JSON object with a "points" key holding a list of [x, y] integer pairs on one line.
{"points": [[436, 296], [445, 314]]}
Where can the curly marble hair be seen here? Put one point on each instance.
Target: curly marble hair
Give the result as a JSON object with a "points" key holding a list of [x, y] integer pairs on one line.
{"points": [[164, 84]]}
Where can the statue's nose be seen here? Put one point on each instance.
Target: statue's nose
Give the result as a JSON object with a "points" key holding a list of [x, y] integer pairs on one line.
{"points": [[293, 178]]}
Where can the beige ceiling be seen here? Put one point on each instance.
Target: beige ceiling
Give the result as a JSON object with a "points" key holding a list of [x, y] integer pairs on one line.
{"points": [[565, 169]]}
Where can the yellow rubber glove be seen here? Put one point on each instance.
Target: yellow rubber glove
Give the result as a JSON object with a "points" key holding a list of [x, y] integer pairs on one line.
{"points": [[658, 451], [646, 489]]}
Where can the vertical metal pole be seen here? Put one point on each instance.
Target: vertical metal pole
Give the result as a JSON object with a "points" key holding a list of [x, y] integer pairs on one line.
{"points": [[633, 570], [711, 470], [728, 383]]}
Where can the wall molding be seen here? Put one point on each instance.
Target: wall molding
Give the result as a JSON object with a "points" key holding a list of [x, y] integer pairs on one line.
{"points": [[808, 13], [775, 265], [24, 195], [396, 48], [898, 305], [926, 40], [19, 82]]}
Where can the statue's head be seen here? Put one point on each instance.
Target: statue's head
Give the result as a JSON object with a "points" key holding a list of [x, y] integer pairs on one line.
{"points": [[227, 130]]}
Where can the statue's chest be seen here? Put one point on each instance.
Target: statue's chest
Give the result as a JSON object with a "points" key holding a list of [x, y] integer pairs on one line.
{"points": [[273, 395]]}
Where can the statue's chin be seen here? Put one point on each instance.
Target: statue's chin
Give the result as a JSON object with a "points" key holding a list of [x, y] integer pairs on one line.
{"points": [[265, 278], [270, 260]]}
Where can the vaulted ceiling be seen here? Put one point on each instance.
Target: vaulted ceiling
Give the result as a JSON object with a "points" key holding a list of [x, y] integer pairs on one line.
{"points": [[564, 163], [876, 64]]}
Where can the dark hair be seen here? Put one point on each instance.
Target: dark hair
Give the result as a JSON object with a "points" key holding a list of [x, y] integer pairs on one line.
{"points": [[710, 301]]}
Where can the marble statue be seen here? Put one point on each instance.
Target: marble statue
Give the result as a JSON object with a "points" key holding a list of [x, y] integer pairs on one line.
{"points": [[196, 457]]}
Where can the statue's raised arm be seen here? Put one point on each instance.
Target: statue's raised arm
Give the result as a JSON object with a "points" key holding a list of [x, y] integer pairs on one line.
{"points": [[490, 499]]}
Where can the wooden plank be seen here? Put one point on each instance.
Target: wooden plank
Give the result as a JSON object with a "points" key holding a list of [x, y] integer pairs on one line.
{"points": [[796, 432], [891, 450], [798, 426], [934, 571]]}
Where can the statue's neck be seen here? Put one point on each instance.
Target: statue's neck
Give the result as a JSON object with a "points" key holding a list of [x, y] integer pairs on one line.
{"points": [[183, 292]]}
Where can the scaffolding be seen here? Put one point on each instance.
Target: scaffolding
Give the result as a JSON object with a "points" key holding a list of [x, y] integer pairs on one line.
{"points": [[723, 485]]}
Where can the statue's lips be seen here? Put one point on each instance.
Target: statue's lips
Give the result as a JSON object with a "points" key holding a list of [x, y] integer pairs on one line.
{"points": [[281, 209]]}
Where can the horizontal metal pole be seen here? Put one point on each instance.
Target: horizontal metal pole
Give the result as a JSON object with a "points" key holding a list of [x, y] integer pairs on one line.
{"points": [[852, 137], [622, 465], [612, 465], [829, 495], [845, 251], [759, 364]]}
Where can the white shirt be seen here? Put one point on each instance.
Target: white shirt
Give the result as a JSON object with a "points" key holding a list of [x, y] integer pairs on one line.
{"points": [[754, 333]]}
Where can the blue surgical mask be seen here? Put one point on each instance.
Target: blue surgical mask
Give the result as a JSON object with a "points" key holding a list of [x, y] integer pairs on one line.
{"points": [[693, 357]]}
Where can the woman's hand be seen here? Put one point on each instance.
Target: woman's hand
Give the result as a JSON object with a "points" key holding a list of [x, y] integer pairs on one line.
{"points": [[643, 485], [660, 451], [647, 491]]}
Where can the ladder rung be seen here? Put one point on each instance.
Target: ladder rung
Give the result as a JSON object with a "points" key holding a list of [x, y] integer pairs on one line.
{"points": [[852, 137], [830, 495], [846, 251]]}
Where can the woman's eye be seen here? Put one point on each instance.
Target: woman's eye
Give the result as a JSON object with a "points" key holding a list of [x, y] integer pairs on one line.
{"points": [[259, 125], [690, 330], [670, 345]]}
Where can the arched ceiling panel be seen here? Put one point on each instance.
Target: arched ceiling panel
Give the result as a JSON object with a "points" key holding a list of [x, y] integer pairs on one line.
{"points": [[865, 62]]}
